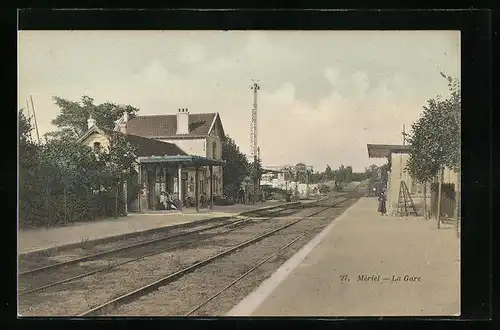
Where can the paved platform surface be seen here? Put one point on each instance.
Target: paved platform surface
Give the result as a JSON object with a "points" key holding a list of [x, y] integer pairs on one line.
{"points": [[362, 242], [32, 240]]}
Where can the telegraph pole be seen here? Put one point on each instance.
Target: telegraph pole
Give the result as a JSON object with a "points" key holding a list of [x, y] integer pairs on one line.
{"points": [[28, 114], [34, 118], [401, 155]]}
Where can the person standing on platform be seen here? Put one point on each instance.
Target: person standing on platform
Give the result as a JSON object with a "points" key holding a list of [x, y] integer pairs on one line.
{"points": [[381, 203], [241, 196]]}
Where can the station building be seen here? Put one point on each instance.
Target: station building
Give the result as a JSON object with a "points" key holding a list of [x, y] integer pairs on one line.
{"points": [[397, 156], [181, 154]]}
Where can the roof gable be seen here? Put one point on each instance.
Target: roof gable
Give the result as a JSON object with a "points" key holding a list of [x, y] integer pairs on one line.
{"points": [[216, 127], [90, 131], [166, 125]]}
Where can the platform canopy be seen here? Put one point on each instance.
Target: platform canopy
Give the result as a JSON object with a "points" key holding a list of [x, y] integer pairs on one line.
{"points": [[185, 160], [385, 150]]}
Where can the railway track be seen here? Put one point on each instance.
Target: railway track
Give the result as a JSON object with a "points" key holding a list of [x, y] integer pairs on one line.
{"points": [[137, 267], [54, 274], [108, 307], [33, 263]]}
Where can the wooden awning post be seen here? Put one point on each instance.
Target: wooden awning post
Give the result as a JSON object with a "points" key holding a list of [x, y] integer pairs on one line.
{"points": [[211, 187], [179, 185], [196, 189], [139, 193]]}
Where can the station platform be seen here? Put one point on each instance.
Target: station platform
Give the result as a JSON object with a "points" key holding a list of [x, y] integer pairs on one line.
{"points": [[365, 264], [33, 240]]}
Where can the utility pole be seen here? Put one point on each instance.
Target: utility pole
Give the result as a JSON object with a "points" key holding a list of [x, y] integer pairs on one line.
{"points": [[28, 115], [34, 118], [253, 137], [401, 156]]}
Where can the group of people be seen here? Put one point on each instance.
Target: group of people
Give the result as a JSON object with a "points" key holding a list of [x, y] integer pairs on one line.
{"points": [[166, 202]]}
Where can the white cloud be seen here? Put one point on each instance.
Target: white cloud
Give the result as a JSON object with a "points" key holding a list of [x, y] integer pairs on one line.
{"points": [[359, 108], [192, 53], [154, 73], [360, 82], [332, 75]]}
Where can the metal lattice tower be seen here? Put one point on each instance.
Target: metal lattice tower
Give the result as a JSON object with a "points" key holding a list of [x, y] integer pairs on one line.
{"points": [[253, 139]]}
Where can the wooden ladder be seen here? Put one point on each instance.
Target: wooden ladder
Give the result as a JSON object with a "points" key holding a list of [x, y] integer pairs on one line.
{"points": [[405, 202]]}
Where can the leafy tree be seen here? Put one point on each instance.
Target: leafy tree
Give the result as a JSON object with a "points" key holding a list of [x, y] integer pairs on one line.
{"points": [[384, 169], [317, 177], [252, 168], [68, 171], [329, 175], [340, 174], [348, 173], [120, 161], [28, 179], [435, 137], [371, 171], [72, 121], [236, 168], [28, 150]]}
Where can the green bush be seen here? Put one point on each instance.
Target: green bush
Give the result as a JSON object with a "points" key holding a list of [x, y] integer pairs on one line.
{"points": [[55, 186]]}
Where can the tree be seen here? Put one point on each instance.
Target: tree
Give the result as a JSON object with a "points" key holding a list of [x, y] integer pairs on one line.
{"points": [[371, 171], [28, 179], [435, 138], [68, 171], [72, 121], [119, 160], [348, 173], [340, 174], [329, 175], [252, 168], [236, 167]]}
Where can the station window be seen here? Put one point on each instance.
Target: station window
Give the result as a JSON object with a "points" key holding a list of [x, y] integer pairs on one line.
{"points": [[214, 149], [97, 145]]}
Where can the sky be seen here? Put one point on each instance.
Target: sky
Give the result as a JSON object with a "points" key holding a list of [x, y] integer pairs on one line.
{"points": [[324, 94]]}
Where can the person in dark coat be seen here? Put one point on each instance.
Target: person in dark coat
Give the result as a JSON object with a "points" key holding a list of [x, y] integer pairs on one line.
{"points": [[381, 203], [241, 196]]}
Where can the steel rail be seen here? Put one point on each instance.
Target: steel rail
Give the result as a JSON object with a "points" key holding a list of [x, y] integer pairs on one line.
{"points": [[144, 290], [260, 263], [77, 277], [127, 247]]}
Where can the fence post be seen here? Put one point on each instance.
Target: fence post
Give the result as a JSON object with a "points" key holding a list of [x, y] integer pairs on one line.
{"points": [[438, 213], [65, 207], [116, 200], [457, 205], [425, 200]]}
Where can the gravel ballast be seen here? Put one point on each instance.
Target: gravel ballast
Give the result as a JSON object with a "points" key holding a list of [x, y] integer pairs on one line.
{"points": [[77, 296], [181, 296]]}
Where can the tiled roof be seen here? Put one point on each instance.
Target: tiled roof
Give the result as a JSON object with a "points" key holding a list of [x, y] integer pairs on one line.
{"points": [[149, 147], [166, 125]]}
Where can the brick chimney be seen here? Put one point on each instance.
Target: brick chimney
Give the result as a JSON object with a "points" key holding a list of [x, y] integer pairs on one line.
{"points": [[183, 121], [90, 122], [123, 124]]}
